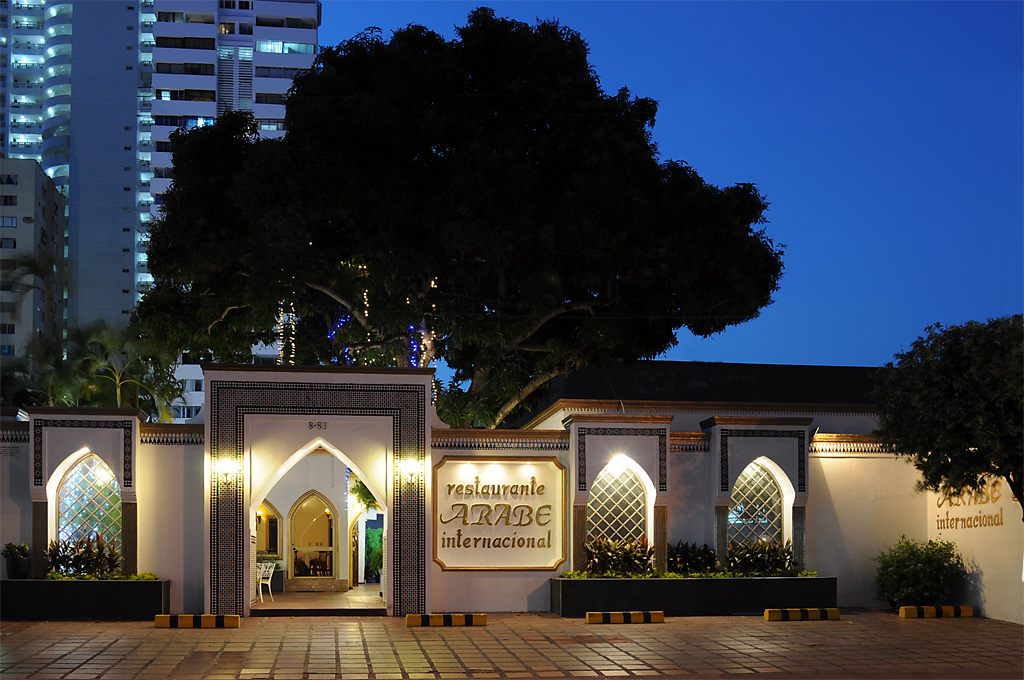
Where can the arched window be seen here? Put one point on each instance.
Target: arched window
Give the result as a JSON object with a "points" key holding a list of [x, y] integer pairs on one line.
{"points": [[617, 508], [755, 513], [89, 503], [312, 537], [268, 533]]}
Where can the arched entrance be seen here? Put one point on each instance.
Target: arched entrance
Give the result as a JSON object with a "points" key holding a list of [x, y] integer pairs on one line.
{"points": [[261, 422]]}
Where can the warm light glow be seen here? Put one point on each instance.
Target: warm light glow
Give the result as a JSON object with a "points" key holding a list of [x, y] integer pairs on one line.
{"points": [[410, 468], [617, 463]]}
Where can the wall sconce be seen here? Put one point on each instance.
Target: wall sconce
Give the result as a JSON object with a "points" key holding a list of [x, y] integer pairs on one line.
{"points": [[410, 470], [225, 470], [259, 517]]}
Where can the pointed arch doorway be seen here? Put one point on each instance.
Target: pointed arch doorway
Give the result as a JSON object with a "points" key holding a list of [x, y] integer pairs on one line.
{"points": [[313, 564], [263, 418]]}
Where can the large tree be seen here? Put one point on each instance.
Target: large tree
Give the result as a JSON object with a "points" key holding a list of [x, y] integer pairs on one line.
{"points": [[480, 200], [954, 405]]}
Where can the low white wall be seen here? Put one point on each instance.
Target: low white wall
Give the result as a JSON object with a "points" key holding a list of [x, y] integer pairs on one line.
{"points": [[171, 530], [15, 499], [858, 503], [989, 534]]}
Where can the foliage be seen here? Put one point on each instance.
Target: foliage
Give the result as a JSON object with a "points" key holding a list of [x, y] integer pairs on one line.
{"points": [[914, 573], [83, 557], [109, 576], [375, 550], [96, 365], [15, 550], [364, 495], [480, 200], [762, 558], [684, 558], [954, 405], [605, 557]]}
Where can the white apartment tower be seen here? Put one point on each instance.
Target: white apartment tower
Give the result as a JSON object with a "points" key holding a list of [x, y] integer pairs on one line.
{"points": [[31, 223], [141, 68]]}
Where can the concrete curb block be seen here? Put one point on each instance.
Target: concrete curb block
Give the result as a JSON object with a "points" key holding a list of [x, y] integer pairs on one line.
{"points": [[197, 621], [417, 620], [820, 614], [626, 617], [940, 612]]}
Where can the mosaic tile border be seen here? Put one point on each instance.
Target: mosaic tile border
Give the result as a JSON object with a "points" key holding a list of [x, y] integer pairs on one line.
{"points": [[801, 454], [581, 449], [128, 447], [14, 436], [172, 438], [229, 403]]}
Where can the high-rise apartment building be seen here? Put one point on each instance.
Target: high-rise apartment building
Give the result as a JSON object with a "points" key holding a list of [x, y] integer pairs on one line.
{"points": [[141, 68], [32, 224]]}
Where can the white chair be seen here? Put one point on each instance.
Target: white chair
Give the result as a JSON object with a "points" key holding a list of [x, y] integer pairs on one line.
{"points": [[264, 572]]}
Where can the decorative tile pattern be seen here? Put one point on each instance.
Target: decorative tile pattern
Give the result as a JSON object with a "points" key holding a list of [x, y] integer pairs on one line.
{"points": [[13, 436], [498, 443], [801, 453], [39, 424], [231, 401], [581, 449], [172, 438]]}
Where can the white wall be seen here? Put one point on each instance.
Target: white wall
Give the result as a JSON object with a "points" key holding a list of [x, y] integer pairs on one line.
{"points": [[171, 531], [858, 504], [15, 500], [992, 553]]}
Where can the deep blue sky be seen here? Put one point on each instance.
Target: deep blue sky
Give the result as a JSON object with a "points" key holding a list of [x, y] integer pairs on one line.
{"points": [[886, 136]]}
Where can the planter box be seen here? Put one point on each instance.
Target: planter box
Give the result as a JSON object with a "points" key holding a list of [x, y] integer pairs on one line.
{"points": [[573, 598], [41, 600], [277, 581]]}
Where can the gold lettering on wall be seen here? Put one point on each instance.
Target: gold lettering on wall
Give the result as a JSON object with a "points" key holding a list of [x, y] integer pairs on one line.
{"points": [[499, 513]]}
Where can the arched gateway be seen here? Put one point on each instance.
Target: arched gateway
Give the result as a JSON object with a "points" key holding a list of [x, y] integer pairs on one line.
{"points": [[258, 421]]}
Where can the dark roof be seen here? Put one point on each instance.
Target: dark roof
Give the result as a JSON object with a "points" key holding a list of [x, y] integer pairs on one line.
{"points": [[701, 381]]}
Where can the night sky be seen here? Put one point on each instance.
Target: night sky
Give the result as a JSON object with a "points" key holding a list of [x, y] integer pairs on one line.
{"points": [[886, 136]]}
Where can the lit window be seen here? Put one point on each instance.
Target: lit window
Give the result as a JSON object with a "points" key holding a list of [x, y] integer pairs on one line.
{"points": [[755, 513], [89, 503], [617, 509]]}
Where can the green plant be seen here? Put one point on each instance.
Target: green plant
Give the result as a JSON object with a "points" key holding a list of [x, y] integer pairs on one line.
{"points": [[688, 558], [617, 558], [83, 557], [375, 550], [760, 558], [364, 495], [915, 573], [15, 550]]}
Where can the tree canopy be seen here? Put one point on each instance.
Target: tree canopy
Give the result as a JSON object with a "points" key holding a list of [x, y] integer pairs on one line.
{"points": [[954, 405], [480, 200]]}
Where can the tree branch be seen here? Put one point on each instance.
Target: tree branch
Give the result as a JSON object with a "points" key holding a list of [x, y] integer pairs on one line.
{"points": [[534, 384], [551, 314], [209, 329], [344, 302]]}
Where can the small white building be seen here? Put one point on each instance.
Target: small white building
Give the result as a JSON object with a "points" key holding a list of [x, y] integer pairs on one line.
{"points": [[480, 520]]}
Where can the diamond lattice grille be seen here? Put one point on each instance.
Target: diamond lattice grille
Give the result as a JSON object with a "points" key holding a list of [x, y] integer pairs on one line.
{"points": [[89, 503], [617, 508], [756, 510]]}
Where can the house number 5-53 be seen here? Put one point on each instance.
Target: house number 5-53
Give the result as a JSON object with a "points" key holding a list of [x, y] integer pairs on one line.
{"points": [[317, 425]]}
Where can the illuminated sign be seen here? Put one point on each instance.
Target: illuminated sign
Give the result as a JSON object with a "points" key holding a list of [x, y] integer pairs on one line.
{"points": [[499, 513]]}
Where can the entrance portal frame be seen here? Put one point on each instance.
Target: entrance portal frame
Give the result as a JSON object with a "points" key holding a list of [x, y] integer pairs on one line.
{"points": [[403, 397]]}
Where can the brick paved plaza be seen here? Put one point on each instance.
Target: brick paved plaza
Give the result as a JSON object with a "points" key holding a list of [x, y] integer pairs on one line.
{"points": [[863, 644]]}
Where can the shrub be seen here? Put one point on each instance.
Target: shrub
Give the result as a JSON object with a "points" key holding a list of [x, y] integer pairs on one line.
{"points": [[83, 557], [914, 573], [688, 558], [761, 558], [618, 558]]}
